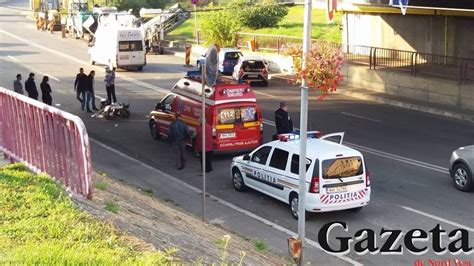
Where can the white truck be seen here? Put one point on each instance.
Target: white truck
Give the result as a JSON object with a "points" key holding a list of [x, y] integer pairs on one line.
{"points": [[118, 47]]}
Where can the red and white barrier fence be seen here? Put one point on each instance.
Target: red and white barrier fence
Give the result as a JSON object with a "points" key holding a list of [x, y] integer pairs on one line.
{"points": [[46, 139]]}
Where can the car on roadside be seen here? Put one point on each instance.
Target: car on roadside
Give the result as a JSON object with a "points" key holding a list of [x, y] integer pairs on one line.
{"points": [[336, 175], [461, 165], [251, 69], [228, 58]]}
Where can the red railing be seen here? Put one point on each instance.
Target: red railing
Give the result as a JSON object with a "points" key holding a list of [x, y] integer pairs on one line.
{"points": [[47, 140]]}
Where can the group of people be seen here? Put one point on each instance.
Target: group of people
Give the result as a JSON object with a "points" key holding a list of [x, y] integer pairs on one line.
{"points": [[84, 86], [31, 89]]}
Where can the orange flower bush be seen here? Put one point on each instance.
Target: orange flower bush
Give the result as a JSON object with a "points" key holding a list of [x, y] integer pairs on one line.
{"points": [[323, 67]]}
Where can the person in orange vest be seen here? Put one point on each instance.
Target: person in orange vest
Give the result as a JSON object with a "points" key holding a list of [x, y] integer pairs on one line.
{"points": [[208, 149]]}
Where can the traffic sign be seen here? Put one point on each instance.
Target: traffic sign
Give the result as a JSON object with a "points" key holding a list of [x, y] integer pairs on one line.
{"points": [[210, 66], [403, 4]]}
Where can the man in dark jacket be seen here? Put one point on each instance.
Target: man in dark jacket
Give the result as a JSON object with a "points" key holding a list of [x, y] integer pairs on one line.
{"points": [[283, 121], [80, 86], [30, 87], [178, 135]]}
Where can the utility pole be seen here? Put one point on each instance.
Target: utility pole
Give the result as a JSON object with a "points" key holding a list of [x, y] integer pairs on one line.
{"points": [[303, 131]]}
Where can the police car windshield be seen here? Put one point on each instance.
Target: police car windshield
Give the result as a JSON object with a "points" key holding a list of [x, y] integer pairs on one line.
{"points": [[234, 115], [342, 167]]}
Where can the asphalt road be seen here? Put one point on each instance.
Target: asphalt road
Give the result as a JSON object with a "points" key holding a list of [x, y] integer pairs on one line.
{"points": [[407, 152]]}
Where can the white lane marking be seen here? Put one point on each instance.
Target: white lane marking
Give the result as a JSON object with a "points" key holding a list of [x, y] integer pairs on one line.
{"points": [[224, 202], [387, 155], [400, 158], [32, 68], [434, 217], [263, 93], [361, 117]]}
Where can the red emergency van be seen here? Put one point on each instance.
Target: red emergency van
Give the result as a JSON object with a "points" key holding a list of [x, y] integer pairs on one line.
{"points": [[231, 110]]}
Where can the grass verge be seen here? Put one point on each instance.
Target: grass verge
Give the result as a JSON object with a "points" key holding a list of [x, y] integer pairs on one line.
{"points": [[291, 25], [39, 224]]}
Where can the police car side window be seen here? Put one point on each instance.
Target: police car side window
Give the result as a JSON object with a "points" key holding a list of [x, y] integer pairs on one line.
{"points": [[295, 164], [279, 159], [261, 155]]}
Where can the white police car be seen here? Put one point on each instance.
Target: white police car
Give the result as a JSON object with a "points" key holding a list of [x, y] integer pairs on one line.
{"points": [[336, 175]]}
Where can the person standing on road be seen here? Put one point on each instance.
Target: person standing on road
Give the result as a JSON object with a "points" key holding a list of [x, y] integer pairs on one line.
{"points": [[283, 121], [178, 135], [208, 146], [90, 96], [46, 91], [30, 87], [17, 86], [110, 85], [80, 85]]}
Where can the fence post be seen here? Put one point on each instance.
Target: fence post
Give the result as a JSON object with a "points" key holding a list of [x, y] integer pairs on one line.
{"points": [[415, 64], [374, 57], [255, 42], [198, 35], [278, 44], [461, 71]]}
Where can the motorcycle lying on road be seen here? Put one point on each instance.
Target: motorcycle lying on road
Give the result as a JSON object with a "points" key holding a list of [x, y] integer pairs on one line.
{"points": [[110, 111]]}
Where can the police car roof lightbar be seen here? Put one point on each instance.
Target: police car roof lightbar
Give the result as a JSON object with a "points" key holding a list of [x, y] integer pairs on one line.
{"points": [[296, 135]]}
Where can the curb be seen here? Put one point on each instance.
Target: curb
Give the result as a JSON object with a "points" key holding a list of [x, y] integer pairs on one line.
{"points": [[401, 104]]}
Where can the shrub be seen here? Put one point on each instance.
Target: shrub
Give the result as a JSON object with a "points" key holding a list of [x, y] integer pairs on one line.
{"points": [[219, 27], [263, 15]]}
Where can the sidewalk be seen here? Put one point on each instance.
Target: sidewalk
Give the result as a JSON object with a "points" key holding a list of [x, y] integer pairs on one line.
{"points": [[402, 102]]}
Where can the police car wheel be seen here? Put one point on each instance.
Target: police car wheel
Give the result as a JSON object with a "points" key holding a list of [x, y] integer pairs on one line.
{"points": [[237, 180], [155, 134], [294, 205]]}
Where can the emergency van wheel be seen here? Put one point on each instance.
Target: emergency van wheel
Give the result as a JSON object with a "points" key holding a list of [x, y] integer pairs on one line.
{"points": [[358, 209], [265, 83], [294, 205], [155, 134], [238, 180], [92, 62], [140, 68]]}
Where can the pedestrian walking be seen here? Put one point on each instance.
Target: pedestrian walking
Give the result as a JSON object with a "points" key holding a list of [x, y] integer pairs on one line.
{"points": [[283, 121], [17, 86], [110, 85], [208, 146], [80, 85], [30, 87], [46, 91], [91, 90], [179, 134]]}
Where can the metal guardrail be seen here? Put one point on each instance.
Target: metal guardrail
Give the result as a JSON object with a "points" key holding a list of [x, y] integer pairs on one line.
{"points": [[461, 69], [46, 139]]}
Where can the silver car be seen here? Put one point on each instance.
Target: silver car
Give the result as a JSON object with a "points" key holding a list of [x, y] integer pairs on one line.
{"points": [[461, 166]]}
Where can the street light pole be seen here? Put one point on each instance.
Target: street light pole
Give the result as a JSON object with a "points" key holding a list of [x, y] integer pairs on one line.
{"points": [[303, 131], [203, 139]]}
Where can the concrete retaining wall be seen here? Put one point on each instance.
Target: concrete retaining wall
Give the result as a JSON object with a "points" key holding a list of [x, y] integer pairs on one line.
{"points": [[403, 84]]}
